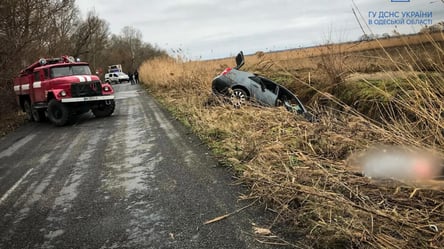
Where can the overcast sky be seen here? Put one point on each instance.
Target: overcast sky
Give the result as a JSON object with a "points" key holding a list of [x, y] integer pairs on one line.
{"points": [[220, 28]]}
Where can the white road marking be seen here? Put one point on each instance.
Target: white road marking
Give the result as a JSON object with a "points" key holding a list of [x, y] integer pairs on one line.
{"points": [[11, 150], [164, 123], [126, 94], [5, 196]]}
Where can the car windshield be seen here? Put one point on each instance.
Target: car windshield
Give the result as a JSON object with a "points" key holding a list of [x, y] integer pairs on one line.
{"points": [[290, 101], [293, 106], [70, 70]]}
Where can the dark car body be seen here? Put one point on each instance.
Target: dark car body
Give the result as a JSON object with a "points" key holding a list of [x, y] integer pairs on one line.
{"points": [[242, 86]]}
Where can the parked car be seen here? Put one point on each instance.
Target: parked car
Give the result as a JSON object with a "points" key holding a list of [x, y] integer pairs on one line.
{"points": [[116, 77], [242, 86]]}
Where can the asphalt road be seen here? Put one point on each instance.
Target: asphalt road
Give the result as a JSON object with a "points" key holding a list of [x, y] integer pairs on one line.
{"points": [[137, 179]]}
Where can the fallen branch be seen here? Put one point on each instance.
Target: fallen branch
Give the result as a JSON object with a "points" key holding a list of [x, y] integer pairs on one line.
{"points": [[229, 214]]}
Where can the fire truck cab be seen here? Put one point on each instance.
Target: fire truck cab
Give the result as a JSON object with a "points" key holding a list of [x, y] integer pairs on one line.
{"points": [[59, 89]]}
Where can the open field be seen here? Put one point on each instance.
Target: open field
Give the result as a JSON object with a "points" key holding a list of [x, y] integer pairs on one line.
{"points": [[366, 94], [349, 47]]}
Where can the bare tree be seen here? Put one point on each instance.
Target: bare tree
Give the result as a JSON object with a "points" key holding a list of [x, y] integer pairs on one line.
{"points": [[129, 50], [62, 30], [133, 39], [24, 34], [91, 34], [30, 29]]}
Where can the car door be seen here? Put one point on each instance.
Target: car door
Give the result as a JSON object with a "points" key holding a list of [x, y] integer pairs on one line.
{"points": [[38, 94], [108, 77], [111, 77], [263, 90]]}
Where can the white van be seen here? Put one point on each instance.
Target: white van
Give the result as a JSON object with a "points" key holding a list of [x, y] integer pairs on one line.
{"points": [[116, 77]]}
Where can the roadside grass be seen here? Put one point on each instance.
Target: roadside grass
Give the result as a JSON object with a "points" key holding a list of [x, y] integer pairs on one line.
{"points": [[306, 172], [10, 116], [10, 121]]}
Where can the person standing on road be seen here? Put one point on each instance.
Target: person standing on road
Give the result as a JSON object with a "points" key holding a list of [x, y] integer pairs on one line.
{"points": [[136, 77], [130, 75]]}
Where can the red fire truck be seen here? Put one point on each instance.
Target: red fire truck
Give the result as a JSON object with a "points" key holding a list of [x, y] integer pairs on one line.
{"points": [[59, 89]]}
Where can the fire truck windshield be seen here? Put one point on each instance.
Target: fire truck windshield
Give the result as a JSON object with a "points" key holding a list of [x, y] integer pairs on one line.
{"points": [[70, 70]]}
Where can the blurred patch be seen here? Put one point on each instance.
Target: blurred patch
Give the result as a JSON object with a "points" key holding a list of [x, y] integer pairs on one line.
{"points": [[400, 163]]}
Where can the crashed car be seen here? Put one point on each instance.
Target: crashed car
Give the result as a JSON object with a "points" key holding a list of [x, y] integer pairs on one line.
{"points": [[242, 86]]}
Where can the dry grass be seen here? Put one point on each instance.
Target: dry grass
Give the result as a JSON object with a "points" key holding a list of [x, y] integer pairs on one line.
{"points": [[10, 121], [302, 170]]}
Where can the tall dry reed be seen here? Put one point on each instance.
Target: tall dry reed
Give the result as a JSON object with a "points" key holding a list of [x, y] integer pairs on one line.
{"points": [[303, 171]]}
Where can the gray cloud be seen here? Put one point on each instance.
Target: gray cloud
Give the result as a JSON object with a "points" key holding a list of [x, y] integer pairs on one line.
{"points": [[208, 29]]}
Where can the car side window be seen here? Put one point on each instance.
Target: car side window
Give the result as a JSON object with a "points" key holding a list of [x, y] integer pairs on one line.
{"points": [[259, 81]]}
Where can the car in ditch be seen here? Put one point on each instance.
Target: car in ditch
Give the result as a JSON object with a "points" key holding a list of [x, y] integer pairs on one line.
{"points": [[242, 86]]}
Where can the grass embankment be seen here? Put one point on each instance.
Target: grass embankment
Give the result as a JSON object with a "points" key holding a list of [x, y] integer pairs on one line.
{"points": [[10, 117], [10, 122], [303, 171]]}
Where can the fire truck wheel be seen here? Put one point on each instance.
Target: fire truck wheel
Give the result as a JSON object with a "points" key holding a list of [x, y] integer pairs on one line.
{"points": [[28, 111], [38, 115], [104, 109], [58, 113]]}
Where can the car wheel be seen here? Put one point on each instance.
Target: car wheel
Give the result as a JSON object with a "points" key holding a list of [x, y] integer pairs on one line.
{"points": [[238, 97], [38, 115], [28, 111], [104, 109], [58, 113]]}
